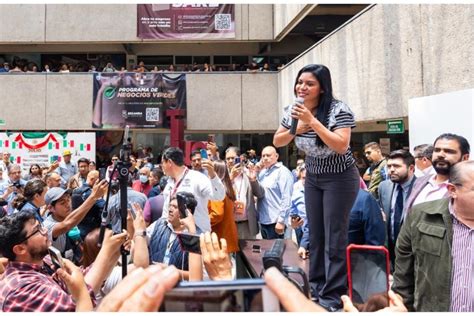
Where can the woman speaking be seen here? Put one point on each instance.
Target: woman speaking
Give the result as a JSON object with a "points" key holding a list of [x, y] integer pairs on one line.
{"points": [[332, 181]]}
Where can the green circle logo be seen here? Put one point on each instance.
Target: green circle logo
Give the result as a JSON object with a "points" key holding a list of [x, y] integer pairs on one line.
{"points": [[109, 93]]}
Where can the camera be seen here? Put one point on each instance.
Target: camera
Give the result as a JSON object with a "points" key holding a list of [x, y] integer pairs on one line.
{"points": [[185, 201], [17, 185]]}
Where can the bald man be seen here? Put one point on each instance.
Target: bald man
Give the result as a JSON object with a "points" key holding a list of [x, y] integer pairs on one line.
{"points": [[273, 186]]}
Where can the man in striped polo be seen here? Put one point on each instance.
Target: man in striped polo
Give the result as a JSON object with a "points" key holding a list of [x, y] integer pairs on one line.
{"points": [[435, 249]]}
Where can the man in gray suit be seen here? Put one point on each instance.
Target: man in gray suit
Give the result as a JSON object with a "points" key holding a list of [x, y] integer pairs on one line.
{"points": [[394, 192]]}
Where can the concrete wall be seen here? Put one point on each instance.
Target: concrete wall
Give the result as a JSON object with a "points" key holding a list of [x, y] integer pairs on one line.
{"points": [[218, 101], [59, 23], [392, 53], [285, 16]]}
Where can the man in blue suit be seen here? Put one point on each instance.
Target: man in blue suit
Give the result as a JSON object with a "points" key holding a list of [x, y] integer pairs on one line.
{"points": [[394, 192]]}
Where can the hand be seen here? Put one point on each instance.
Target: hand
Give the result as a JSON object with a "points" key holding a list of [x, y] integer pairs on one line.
{"points": [[142, 290], [289, 296], [295, 222], [216, 259], [139, 222], [235, 171], [54, 165], [189, 222], [209, 165], [74, 279], [3, 264], [395, 301], [252, 172], [279, 228], [300, 112], [303, 253], [212, 147], [112, 242], [302, 127], [99, 189]]}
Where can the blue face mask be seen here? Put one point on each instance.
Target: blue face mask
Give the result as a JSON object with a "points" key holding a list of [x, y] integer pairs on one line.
{"points": [[143, 178]]}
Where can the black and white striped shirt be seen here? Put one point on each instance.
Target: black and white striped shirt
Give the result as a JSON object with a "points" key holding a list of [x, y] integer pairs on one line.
{"points": [[322, 159]]}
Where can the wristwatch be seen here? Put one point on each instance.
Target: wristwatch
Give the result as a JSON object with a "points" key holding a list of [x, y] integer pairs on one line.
{"points": [[141, 233]]}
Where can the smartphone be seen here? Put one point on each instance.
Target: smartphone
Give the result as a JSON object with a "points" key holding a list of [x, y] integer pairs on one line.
{"points": [[181, 205], [56, 257], [189, 242], [236, 160], [54, 158], [295, 217], [242, 295], [368, 269], [204, 154], [211, 138]]}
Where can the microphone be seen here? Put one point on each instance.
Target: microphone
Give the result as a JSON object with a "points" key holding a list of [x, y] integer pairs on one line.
{"points": [[294, 121]]}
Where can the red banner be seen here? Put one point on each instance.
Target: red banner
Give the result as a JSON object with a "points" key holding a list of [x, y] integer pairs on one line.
{"points": [[185, 21]]}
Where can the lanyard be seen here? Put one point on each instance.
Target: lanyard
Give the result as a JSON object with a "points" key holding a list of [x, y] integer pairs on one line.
{"points": [[179, 182]]}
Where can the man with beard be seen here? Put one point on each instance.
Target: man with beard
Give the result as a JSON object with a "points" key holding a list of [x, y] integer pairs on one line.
{"points": [[394, 192], [377, 170], [449, 149], [30, 284]]}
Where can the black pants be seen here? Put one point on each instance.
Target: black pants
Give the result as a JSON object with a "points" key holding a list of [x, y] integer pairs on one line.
{"points": [[329, 199], [268, 232]]}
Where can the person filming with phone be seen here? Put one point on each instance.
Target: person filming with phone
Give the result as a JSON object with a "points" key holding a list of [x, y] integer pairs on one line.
{"points": [[31, 283], [163, 245]]}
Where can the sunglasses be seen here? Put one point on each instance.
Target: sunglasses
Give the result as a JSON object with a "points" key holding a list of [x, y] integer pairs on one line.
{"points": [[38, 229]]}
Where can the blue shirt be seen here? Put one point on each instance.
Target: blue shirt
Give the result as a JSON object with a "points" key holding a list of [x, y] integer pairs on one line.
{"points": [[66, 171], [9, 199], [276, 184], [366, 225]]}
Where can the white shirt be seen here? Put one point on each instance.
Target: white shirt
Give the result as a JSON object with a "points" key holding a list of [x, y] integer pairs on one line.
{"points": [[427, 171], [203, 189]]}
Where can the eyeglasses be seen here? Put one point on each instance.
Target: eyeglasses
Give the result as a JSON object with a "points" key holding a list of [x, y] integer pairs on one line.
{"points": [[38, 229]]}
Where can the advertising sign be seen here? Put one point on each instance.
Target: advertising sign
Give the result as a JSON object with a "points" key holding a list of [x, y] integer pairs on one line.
{"points": [[43, 147], [139, 100], [186, 21]]}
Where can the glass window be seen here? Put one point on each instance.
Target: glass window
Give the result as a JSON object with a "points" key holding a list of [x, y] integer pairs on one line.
{"points": [[183, 60], [202, 59], [222, 60], [240, 59]]}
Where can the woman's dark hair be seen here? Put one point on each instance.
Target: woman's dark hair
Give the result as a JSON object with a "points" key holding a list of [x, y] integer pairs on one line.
{"points": [[323, 75], [12, 232], [90, 248], [163, 182], [35, 165], [374, 303], [222, 172], [32, 187]]}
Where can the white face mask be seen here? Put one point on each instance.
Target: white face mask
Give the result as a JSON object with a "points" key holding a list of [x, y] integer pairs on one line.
{"points": [[143, 179]]}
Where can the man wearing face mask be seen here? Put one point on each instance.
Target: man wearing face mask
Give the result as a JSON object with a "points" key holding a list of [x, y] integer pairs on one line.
{"points": [[143, 185]]}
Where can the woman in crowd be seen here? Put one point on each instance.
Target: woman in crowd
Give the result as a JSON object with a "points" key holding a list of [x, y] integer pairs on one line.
{"points": [[221, 213], [36, 172], [32, 198], [332, 179]]}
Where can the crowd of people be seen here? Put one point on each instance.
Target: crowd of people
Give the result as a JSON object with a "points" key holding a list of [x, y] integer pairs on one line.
{"points": [[24, 66], [418, 206]]}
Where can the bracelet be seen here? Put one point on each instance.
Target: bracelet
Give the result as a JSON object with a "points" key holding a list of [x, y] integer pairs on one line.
{"points": [[141, 233]]}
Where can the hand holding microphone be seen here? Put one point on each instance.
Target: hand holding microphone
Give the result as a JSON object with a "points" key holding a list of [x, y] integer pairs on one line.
{"points": [[294, 121]]}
